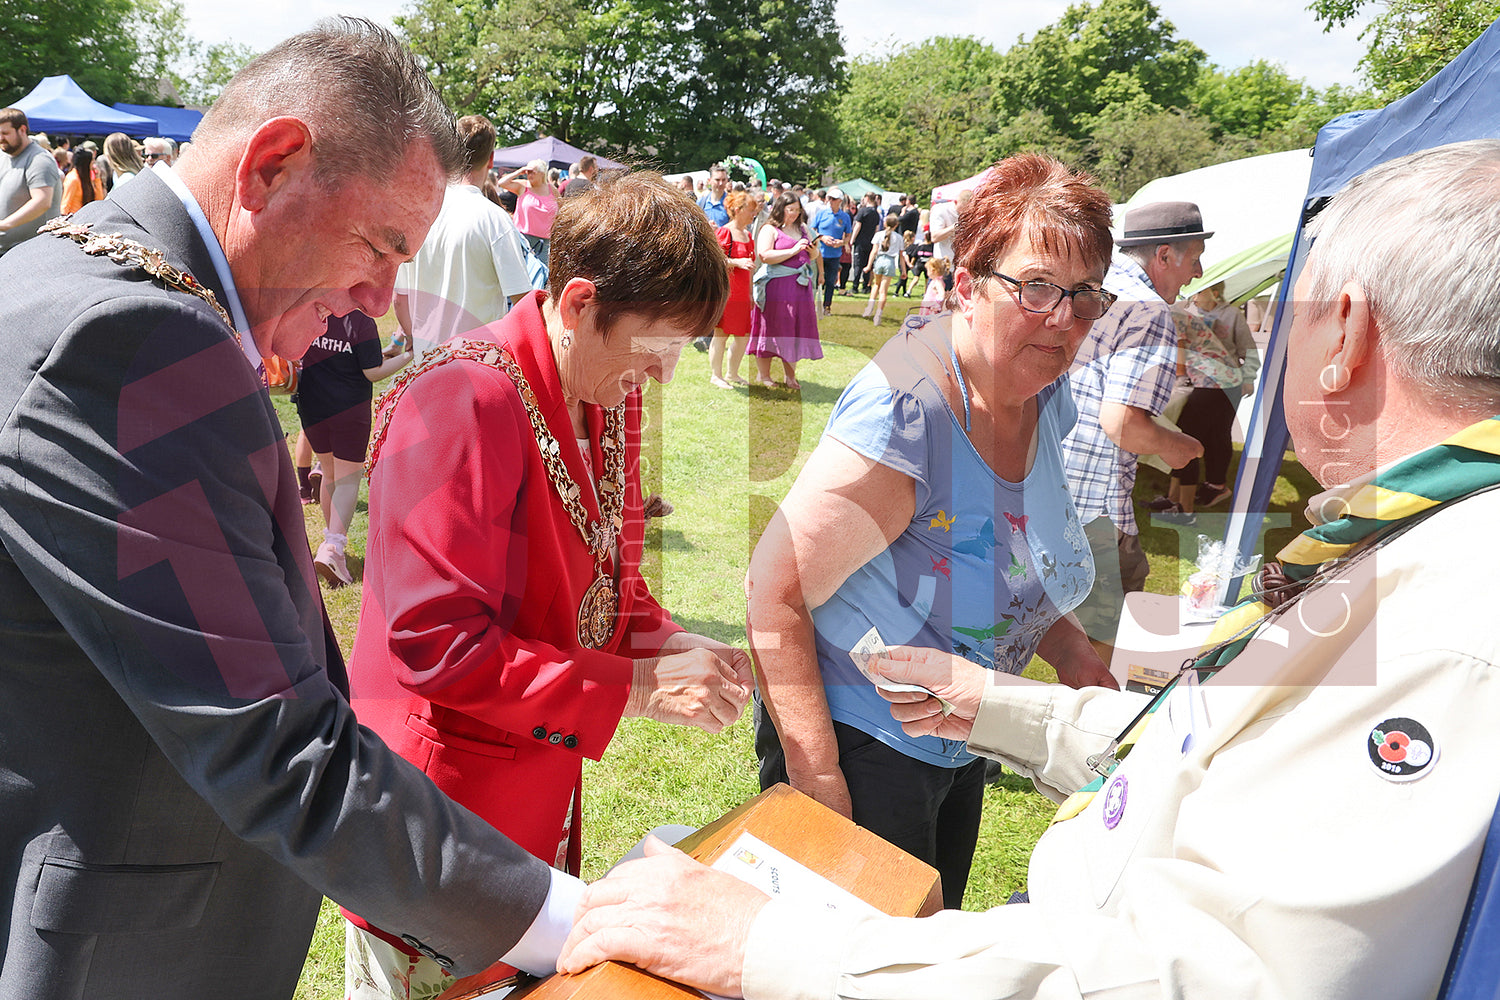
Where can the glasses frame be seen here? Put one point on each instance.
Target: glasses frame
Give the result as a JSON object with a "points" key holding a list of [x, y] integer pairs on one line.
{"points": [[1110, 298]]}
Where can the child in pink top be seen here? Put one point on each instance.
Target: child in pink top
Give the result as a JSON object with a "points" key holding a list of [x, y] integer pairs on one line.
{"points": [[937, 291]]}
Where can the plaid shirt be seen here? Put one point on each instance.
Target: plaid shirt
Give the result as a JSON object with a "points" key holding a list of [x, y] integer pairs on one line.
{"points": [[1130, 357]]}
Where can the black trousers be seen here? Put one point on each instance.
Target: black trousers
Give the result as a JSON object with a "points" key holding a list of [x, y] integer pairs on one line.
{"points": [[930, 812], [831, 267], [1208, 415], [861, 258]]}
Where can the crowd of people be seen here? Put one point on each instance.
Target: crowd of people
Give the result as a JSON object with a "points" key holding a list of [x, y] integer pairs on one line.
{"points": [[188, 765], [44, 176], [819, 246]]}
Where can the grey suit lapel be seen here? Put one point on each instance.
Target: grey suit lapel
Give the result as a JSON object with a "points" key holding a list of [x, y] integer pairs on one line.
{"points": [[155, 208]]}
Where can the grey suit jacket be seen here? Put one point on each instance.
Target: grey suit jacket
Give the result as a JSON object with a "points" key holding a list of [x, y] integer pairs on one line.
{"points": [[181, 778]]}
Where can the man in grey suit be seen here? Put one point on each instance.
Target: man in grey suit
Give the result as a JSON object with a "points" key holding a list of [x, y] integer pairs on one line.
{"points": [[181, 777]]}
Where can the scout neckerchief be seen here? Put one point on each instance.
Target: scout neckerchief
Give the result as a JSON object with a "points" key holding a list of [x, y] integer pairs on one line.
{"points": [[1465, 463]]}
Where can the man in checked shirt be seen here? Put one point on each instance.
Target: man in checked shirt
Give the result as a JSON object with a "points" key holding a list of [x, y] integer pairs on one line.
{"points": [[1122, 379]]}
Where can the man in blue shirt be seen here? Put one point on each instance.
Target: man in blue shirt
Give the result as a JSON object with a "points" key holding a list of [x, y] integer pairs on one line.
{"points": [[831, 227], [713, 202]]}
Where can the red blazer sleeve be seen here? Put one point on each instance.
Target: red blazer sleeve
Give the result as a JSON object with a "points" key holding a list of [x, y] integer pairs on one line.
{"points": [[473, 569]]}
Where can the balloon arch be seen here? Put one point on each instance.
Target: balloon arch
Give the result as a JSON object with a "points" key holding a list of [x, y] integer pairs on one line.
{"points": [[750, 167]]}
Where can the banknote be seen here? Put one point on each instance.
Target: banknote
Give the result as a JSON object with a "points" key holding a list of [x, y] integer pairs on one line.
{"points": [[872, 647]]}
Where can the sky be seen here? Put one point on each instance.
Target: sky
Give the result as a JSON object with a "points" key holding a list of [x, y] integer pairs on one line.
{"points": [[1232, 32]]}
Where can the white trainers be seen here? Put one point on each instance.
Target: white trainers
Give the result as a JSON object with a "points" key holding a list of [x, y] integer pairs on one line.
{"points": [[869, 308], [332, 566]]}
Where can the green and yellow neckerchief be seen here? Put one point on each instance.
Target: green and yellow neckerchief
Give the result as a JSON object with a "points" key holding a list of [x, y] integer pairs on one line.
{"points": [[1465, 463]]}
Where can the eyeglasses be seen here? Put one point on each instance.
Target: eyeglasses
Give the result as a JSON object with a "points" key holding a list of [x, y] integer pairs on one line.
{"points": [[1043, 297], [156, 156]]}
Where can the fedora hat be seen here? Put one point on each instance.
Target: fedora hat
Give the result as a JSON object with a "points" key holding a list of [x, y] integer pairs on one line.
{"points": [[1163, 222]]}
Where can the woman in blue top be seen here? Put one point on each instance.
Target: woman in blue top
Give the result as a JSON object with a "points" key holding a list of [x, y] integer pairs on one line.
{"points": [[935, 511]]}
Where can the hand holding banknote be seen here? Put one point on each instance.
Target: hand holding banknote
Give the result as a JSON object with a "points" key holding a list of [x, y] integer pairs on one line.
{"points": [[932, 693], [871, 648]]}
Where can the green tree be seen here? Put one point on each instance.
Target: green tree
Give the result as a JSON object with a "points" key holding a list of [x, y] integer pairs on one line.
{"points": [[1316, 109], [1033, 132], [1410, 40], [762, 78], [619, 87], [214, 66], [165, 49], [1248, 101], [589, 72], [1132, 145], [1127, 45], [674, 82], [93, 41], [924, 114], [501, 58]]}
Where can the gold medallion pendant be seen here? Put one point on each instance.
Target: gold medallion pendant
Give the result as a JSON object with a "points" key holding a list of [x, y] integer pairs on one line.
{"points": [[598, 613]]}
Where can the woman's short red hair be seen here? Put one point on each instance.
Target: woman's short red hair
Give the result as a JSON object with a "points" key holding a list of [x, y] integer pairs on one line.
{"points": [[1034, 198]]}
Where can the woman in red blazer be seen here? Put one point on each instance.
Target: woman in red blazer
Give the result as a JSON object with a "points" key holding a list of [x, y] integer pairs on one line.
{"points": [[505, 626]]}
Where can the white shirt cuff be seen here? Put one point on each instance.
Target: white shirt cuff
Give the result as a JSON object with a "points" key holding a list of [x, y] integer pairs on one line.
{"points": [[539, 947]]}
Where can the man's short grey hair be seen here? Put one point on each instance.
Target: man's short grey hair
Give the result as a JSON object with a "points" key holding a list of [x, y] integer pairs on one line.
{"points": [[1421, 236], [359, 91], [1144, 253]]}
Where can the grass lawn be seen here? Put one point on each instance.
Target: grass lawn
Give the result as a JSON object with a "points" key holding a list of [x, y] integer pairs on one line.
{"points": [[724, 458]]}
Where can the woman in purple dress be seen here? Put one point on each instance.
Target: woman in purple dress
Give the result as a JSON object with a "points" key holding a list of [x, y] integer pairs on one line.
{"points": [[785, 323]]}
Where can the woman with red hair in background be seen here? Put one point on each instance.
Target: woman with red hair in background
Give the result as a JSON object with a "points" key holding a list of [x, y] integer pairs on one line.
{"points": [[733, 328]]}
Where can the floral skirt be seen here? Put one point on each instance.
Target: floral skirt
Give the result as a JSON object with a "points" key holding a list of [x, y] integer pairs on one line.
{"points": [[376, 970]]}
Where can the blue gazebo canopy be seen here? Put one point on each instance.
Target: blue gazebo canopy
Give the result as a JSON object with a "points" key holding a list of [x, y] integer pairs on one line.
{"points": [[173, 123], [57, 104], [1461, 101]]}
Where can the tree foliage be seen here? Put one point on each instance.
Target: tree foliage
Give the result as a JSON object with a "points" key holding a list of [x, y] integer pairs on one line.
{"points": [[1109, 87], [93, 41], [1248, 101], [1118, 52], [1410, 40], [501, 58], [914, 113], [1316, 109], [116, 50], [761, 78], [213, 66], [1132, 145], [675, 82]]}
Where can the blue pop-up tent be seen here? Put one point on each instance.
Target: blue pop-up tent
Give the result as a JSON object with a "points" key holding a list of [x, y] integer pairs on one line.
{"points": [[1461, 102], [176, 124], [57, 104]]}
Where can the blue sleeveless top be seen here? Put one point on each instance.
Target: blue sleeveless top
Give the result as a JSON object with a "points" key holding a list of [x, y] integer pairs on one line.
{"points": [[986, 566]]}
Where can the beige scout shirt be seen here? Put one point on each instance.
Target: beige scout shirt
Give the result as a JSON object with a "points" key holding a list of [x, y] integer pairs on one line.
{"points": [[1276, 857]]}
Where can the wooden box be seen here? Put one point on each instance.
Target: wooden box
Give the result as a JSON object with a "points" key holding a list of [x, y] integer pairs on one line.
{"points": [[852, 858]]}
